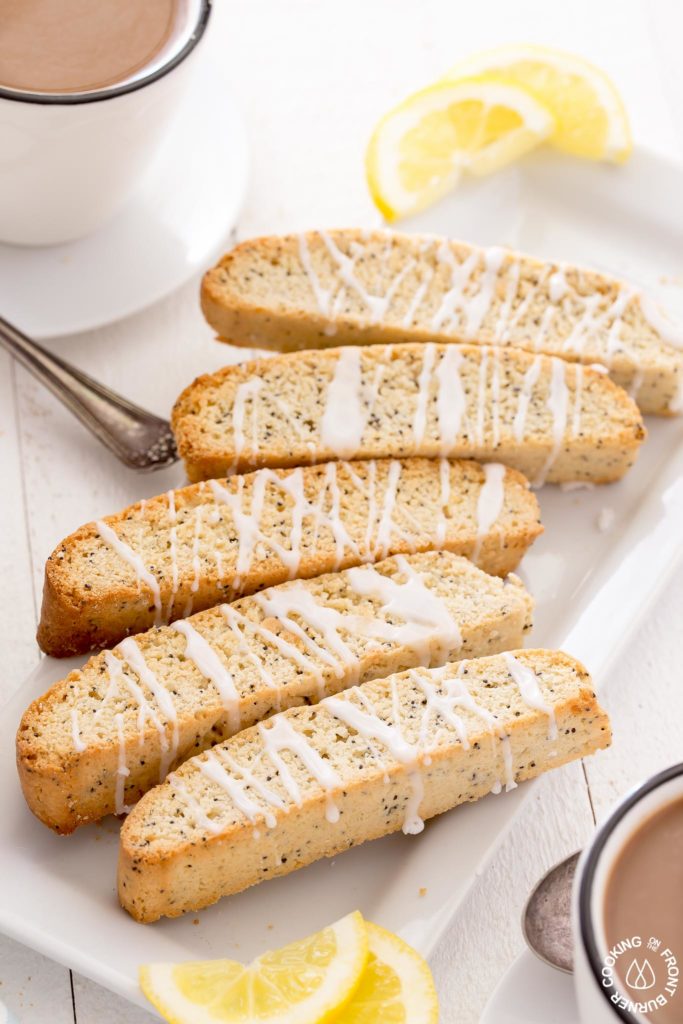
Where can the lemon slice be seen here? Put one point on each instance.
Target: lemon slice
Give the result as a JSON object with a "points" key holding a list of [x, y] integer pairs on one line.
{"points": [[306, 982], [396, 986], [420, 148], [590, 117]]}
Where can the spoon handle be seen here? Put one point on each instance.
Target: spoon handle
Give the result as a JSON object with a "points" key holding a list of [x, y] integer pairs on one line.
{"points": [[127, 430]]}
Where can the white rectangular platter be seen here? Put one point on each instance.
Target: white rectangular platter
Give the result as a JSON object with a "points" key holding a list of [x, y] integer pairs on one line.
{"points": [[58, 894]]}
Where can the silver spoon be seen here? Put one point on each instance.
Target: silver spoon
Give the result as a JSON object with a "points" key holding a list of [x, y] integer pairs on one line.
{"points": [[546, 919], [139, 439]]}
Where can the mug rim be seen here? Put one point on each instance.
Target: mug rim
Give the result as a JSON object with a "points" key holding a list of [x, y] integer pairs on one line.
{"points": [[593, 855], [99, 95]]}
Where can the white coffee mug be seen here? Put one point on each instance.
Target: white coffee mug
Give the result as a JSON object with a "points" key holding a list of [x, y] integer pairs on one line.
{"points": [[69, 161], [602, 998]]}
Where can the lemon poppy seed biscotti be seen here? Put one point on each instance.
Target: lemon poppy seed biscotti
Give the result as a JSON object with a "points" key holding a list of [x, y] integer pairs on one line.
{"points": [[365, 287], [552, 420], [99, 739], [192, 548], [314, 781]]}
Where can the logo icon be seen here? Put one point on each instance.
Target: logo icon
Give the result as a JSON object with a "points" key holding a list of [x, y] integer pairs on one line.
{"points": [[640, 976], [648, 983]]}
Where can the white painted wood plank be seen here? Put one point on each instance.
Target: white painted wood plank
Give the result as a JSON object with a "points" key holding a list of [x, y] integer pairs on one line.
{"points": [[644, 697], [19, 620], [35, 989], [95, 1005]]}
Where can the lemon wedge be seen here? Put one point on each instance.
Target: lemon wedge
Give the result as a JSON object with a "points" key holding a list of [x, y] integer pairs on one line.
{"points": [[421, 147], [590, 119], [396, 986], [306, 982]]}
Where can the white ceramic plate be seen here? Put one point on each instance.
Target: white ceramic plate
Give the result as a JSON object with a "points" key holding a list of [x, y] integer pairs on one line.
{"points": [[58, 895], [177, 223], [532, 993]]}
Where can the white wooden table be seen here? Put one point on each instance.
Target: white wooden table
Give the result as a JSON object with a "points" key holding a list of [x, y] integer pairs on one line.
{"points": [[312, 78]]}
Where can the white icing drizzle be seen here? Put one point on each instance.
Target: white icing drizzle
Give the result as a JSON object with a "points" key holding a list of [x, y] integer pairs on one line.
{"points": [[528, 383], [499, 330], [412, 822], [530, 691], [122, 771], [79, 745], [119, 678], [246, 392], [578, 336], [578, 399], [279, 735], [456, 695], [445, 696], [378, 305], [444, 500], [451, 401], [480, 303], [196, 562], [173, 551], [371, 726], [345, 415], [426, 615], [205, 658], [268, 795], [547, 317], [132, 654], [615, 314], [239, 622], [510, 783], [332, 520], [489, 503], [322, 295], [423, 388], [495, 396], [385, 527], [481, 396], [247, 524], [418, 298], [558, 403], [193, 805], [132, 558], [212, 769], [454, 298], [557, 286]]}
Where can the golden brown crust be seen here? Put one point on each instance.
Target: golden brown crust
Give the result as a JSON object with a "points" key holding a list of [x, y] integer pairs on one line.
{"points": [[259, 295], [610, 428], [66, 787], [93, 599], [169, 862]]}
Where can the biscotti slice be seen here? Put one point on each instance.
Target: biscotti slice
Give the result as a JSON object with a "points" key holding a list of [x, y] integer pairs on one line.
{"points": [[314, 781], [552, 420], [99, 739], [363, 287], [190, 549]]}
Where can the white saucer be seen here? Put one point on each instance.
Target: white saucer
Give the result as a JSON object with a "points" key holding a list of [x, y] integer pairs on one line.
{"points": [[530, 992], [176, 225]]}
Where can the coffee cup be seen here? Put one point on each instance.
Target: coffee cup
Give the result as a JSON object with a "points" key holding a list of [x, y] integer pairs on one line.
{"points": [[628, 910], [69, 160]]}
